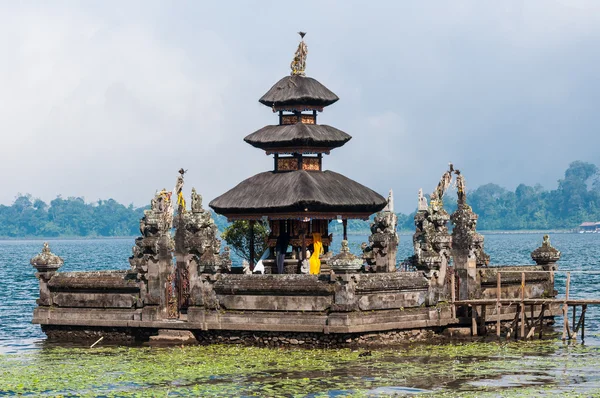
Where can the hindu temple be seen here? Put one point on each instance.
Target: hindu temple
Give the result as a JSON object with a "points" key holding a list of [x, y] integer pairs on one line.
{"points": [[181, 283], [298, 197]]}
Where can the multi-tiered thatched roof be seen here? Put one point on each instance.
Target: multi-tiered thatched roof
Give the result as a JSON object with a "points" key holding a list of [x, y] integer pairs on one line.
{"points": [[298, 90], [299, 188], [314, 194]]}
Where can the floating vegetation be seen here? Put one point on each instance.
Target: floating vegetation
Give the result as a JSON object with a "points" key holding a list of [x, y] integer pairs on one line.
{"points": [[481, 369]]}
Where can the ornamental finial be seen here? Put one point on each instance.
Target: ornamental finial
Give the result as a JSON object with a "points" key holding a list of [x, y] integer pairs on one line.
{"points": [[298, 65]]}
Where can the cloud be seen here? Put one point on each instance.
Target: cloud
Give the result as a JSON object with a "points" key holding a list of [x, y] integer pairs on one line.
{"points": [[110, 99]]}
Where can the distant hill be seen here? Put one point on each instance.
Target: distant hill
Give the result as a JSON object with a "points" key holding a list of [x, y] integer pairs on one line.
{"points": [[575, 200]]}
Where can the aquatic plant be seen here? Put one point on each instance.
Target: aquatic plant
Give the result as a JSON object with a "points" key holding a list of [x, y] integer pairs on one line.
{"points": [[516, 368]]}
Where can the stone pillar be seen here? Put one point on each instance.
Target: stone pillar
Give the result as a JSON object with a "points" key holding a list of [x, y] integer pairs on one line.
{"points": [[153, 257], [345, 262], [47, 264], [432, 242], [547, 256], [467, 252], [467, 245], [380, 254], [198, 250]]}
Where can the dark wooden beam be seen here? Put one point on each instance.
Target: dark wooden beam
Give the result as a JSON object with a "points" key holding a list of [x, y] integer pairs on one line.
{"points": [[251, 241], [345, 224]]}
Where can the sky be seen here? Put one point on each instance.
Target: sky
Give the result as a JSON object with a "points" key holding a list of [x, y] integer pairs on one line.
{"points": [[109, 99]]}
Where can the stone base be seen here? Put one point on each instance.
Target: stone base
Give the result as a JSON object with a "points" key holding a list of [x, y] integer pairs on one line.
{"points": [[318, 340], [173, 336], [83, 333]]}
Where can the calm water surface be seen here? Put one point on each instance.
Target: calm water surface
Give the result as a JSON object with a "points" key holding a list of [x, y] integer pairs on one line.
{"points": [[497, 369]]}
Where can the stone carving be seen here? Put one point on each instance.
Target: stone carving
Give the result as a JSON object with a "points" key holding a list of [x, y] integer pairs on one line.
{"points": [[298, 64], [345, 261], [46, 261], [198, 234], [196, 201], [467, 245], [179, 191], [380, 253], [154, 247], [546, 254], [443, 185], [431, 240], [390, 202], [422, 201], [461, 189], [466, 242]]}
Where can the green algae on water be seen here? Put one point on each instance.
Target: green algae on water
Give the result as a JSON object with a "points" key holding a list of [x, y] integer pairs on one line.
{"points": [[473, 369]]}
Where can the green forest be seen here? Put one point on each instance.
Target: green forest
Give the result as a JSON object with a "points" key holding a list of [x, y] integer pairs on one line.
{"points": [[576, 199]]}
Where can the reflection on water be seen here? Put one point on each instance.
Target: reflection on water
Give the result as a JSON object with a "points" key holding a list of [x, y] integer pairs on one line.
{"points": [[29, 364]]}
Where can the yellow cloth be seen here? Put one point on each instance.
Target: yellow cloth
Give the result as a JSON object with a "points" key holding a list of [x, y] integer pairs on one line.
{"points": [[181, 200], [315, 263]]}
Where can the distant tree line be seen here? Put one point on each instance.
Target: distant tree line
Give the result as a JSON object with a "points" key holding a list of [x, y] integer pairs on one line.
{"points": [[72, 217], [29, 217], [576, 199]]}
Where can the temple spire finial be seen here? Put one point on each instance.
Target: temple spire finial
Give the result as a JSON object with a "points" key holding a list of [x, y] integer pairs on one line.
{"points": [[298, 64]]}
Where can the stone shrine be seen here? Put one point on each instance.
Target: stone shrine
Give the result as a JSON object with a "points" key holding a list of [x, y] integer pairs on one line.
{"points": [[181, 279]]}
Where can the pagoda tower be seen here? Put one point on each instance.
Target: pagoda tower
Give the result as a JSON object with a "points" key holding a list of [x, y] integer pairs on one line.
{"points": [[298, 197]]}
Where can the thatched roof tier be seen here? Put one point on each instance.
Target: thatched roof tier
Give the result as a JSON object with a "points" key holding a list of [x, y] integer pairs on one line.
{"points": [[296, 194], [298, 91], [298, 135]]}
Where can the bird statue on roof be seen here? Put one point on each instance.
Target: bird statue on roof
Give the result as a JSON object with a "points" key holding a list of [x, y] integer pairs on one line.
{"points": [[298, 64]]}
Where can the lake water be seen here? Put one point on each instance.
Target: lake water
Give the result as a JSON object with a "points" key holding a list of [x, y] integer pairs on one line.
{"points": [[32, 366]]}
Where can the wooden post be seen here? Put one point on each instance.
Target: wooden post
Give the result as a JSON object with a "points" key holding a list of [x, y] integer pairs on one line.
{"points": [[542, 320], [522, 305], [345, 224], [583, 309], [566, 309], [574, 317], [453, 293], [251, 241], [303, 232], [498, 294], [474, 320], [482, 325]]}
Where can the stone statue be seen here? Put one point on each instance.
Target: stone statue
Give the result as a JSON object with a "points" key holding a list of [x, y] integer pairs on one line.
{"points": [[390, 202], [345, 262], [467, 245], [465, 239], [345, 248], [46, 259], [198, 240], [179, 191], [545, 254], [196, 202], [431, 240], [380, 253], [461, 188], [422, 206], [246, 267], [298, 64], [443, 185], [47, 264]]}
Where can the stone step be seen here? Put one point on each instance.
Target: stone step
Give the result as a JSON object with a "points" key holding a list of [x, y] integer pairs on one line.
{"points": [[173, 335]]}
